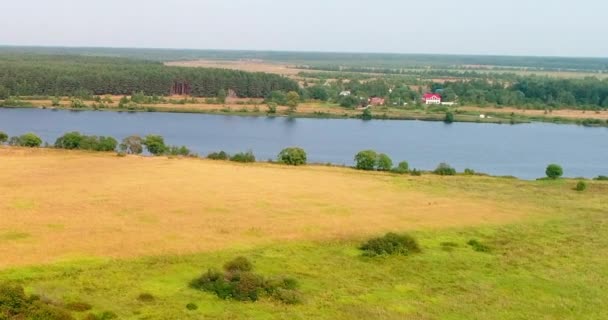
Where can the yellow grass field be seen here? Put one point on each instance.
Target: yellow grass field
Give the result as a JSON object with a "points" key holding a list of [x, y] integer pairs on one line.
{"points": [[61, 205]]}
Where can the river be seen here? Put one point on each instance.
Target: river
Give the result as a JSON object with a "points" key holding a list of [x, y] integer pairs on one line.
{"points": [[522, 150]]}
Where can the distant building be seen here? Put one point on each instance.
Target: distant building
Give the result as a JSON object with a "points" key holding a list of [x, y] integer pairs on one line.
{"points": [[376, 101], [345, 93], [431, 98], [448, 103]]}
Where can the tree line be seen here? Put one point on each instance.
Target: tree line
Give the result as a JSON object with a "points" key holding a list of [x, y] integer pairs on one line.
{"points": [[62, 75]]}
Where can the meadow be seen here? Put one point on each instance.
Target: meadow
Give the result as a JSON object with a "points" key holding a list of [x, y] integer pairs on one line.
{"points": [[96, 228]]}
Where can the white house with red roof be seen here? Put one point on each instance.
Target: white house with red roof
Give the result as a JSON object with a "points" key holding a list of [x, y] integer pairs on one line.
{"points": [[431, 98]]}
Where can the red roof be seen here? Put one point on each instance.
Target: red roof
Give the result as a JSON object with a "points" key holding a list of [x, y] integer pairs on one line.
{"points": [[427, 96]]}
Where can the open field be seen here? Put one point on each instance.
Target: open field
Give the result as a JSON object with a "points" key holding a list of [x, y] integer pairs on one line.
{"points": [[65, 209], [243, 65], [69, 215]]}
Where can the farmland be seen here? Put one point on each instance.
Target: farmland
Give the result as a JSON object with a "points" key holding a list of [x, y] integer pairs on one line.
{"points": [[138, 225]]}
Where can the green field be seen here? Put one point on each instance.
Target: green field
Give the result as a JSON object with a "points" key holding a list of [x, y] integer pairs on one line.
{"points": [[547, 258]]}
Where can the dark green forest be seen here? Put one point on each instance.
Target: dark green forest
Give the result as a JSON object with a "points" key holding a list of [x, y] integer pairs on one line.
{"points": [[65, 75]]}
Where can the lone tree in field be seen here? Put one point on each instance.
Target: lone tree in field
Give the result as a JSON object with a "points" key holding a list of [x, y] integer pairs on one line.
{"points": [[554, 171], [292, 156], [366, 160], [293, 99], [449, 117]]}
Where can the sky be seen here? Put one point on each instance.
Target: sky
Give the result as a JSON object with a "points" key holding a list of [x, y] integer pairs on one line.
{"points": [[512, 27]]}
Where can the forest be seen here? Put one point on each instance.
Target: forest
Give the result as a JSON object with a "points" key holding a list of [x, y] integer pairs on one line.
{"points": [[68, 75]]}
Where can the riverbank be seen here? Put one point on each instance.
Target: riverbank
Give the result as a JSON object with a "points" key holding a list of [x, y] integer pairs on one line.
{"points": [[145, 227], [255, 107]]}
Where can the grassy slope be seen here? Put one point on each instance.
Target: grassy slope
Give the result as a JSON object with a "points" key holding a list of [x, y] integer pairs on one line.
{"points": [[550, 265]]}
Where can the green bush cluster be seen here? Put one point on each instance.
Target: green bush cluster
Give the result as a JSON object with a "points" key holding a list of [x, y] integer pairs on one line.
{"points": [[239, 282], [76, 140], [15, 304], [390, 244], [244, 157], [444, 169], [29, 140], [155, 144], [601, 178], [222, 155], [3, 137], [371, 160], [402, 167], [292, 156]]}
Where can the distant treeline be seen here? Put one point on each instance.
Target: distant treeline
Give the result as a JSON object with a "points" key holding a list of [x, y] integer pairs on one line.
{"points": [[61, 75], [376, 60], [539, 91]]}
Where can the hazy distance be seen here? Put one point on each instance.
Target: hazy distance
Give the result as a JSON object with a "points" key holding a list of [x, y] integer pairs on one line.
{"points": [[516, 27]]}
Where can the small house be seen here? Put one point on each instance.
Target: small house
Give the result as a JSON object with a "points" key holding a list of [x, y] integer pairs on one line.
{"points": [[345, 93], [431, 98], [376, 101]]}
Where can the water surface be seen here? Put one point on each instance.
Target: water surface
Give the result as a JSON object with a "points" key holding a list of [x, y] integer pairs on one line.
{"points": [[522, 150]]}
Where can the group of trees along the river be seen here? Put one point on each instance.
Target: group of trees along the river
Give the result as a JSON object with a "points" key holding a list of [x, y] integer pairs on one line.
{"points": [[27, 75]]}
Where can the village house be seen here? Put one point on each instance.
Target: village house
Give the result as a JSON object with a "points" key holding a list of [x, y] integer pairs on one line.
{"points": [[345, 93], [431, 98], [376, 101]]}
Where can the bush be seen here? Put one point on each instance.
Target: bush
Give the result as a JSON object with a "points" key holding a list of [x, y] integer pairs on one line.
{"points": [[178, 151], [292, 156], [238, 264], [390, 244], [445, 169], [581, 186], [3, 137], [240, 283], [601, 178], [191, 306], [415, 172], [75, 140], [78, 306], [367, 114], [366, 160], [554, 171], [218, 156], [383, 162], [26, 140], [469, 172], [272, 107], [15, 304], [245, 157], [77, 104], [478, 246], [449, 117], [402, 167], [146, 297], [155, 144]]}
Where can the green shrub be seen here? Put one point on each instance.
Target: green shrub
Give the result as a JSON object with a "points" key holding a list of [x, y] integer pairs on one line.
{"points": [[445, 169], [26, 140], [415, 172], [245, 157], [75, 140], [390, 244], [146, 297], [155, 144], [272, 108], [3, 137], [402, 167], [554, 171], [581, 186], [78, 306], [15, 304], [383, 162], [238, 264], [469, 172], [478, 246], [367, 114], [191, 306], [292, 156], [449, 117], [240, 283], [178, 151], [77, 104], [366, 160], [601, 178], [218, 156]]}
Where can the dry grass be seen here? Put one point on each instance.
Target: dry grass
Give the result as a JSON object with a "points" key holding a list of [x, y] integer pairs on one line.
{"points": [[565, 113], [57, 205], [243, 65]]}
